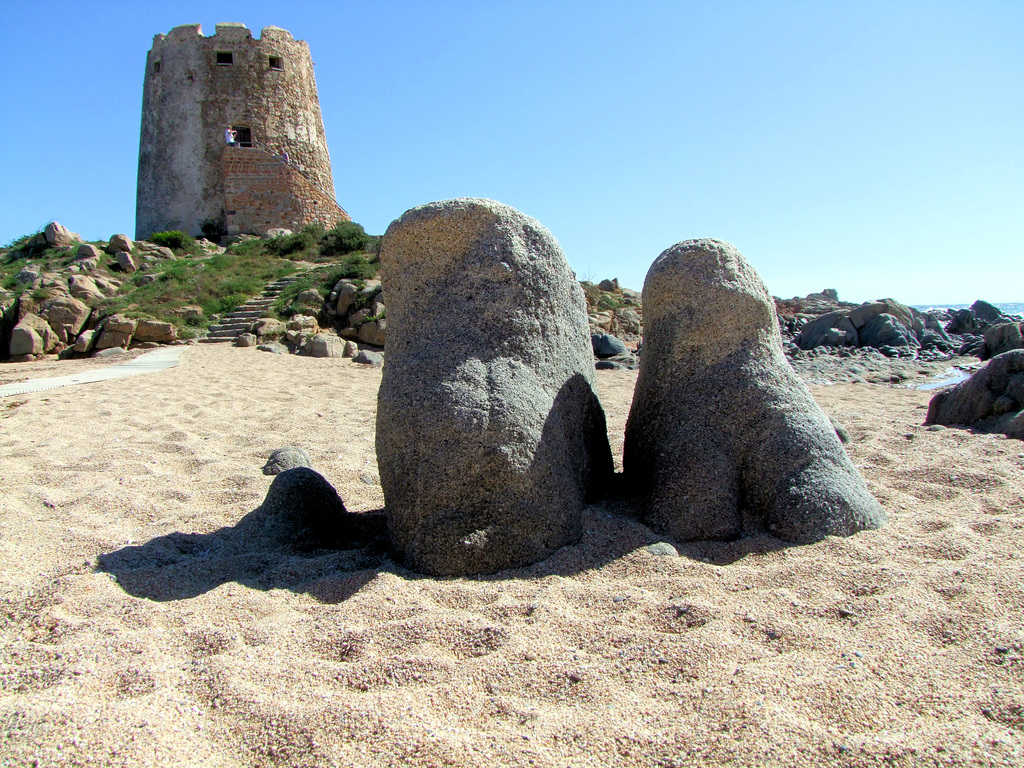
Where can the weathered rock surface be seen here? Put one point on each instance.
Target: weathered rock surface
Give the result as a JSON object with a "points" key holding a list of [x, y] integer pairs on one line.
{"points": [[324, 345], [116, 331], [722, 437], [32, 336], [84, 288], [367, 357], [126, 261], [66, 316], [489, 434], [990, 401], [59, 236], [1003, 337], [88, 251], [155, 330], [286, 458], [268, 327], [120, 244]]}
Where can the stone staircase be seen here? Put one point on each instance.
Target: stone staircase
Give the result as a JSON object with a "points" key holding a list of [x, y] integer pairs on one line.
{"points": [[240, 320]]}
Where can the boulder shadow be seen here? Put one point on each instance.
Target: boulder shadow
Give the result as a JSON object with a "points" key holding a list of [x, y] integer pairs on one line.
{"points": [[179, 566]]}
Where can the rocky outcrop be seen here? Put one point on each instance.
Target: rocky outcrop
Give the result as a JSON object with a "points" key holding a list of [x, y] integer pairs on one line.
{"points": [[357, 312], [489, 434], [990, 401], [722, 436]]}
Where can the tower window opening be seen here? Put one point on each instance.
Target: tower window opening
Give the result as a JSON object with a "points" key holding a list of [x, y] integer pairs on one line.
{"points": [[277, 62], [225, 57], [243, 135], [156, 67]]}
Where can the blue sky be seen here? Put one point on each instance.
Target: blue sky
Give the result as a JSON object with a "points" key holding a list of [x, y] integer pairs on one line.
{"points": [[873, 147]]}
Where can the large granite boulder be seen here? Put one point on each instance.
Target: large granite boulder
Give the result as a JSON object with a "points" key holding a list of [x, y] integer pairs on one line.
{"points": [[66, 316], [32, 336], [490, 437], [990, 401], [722, 436]]}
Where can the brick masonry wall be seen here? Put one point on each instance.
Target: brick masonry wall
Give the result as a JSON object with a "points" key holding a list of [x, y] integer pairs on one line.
{"points": [[262, 192]]}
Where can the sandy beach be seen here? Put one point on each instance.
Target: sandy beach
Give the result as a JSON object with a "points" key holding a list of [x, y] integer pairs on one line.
{"points": [[141, 627]]}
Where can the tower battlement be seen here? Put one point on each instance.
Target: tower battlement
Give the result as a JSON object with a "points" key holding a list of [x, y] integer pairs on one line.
{"points": [[196, 87]]}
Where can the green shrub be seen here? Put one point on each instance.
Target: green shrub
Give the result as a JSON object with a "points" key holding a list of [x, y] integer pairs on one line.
{"points": [[347, 237], [174, 239], [306, 239]]}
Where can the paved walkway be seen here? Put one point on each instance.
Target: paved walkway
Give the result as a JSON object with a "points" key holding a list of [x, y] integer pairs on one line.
{"points": [[157, 360]]}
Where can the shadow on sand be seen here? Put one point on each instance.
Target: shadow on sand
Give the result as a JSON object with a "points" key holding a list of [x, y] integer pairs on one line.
{"points": [[180, 566]]}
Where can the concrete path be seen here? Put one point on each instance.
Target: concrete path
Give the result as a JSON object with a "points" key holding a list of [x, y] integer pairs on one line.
{"points": [[157, 360]]}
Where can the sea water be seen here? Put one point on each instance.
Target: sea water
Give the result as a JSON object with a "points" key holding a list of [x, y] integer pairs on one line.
{"points": [[1007, 308]]}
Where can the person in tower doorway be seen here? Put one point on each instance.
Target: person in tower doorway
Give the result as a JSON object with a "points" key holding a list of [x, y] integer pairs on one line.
{"points": [[229, 137]]}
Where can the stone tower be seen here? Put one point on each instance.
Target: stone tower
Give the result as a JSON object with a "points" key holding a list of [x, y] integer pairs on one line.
{"points": [[196, 87]]}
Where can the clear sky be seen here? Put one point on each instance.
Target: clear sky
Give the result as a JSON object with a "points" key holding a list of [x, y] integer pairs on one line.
{"points": [[872, 147]]}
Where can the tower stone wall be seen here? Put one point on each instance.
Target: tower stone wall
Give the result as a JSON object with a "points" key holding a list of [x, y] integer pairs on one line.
{"points": [[195, 88]]}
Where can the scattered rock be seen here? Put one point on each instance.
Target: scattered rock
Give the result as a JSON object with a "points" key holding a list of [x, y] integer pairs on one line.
{"points": [[120, 244], [85, 341], [366, 357], [324, 345], [605, 345], [126, 261], [303, 511], [374, 332], [88, 251], [286, 458], [722, 436], [274, 347], [990, 401], [1003, 337], [268, 327], [663, 549], [487, 398], [245, 340], [58, 236]]}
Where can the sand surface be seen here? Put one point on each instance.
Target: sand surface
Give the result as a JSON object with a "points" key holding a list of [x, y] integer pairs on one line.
{"points": [[138, 627]]}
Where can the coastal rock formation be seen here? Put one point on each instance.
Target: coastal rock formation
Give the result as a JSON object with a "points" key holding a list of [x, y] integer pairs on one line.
{"points": [[722, 436], [990, 401], [489, 434]]}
